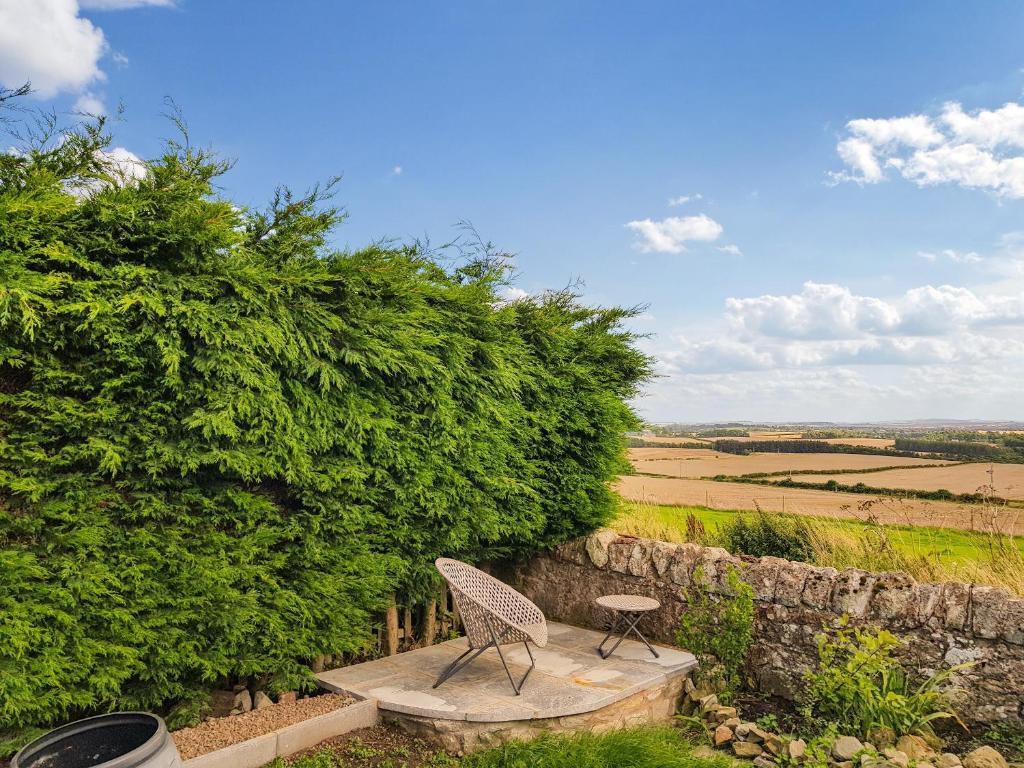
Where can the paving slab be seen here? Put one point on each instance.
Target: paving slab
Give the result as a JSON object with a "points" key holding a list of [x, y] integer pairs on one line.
{"points": [[570, 678]]}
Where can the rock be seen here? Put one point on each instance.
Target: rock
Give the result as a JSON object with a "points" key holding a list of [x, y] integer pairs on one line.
{"points": [[697, 694], [723, 735], [742, 730], [746, 749], [843, 764], [896, 757], [721, 714], [763, 762], [947, 760], [732, 722], [243, 701], [288, 697], [688, 686], [984, 757], [708, 702], [703, 752], [261, 701], [846, 747], [923, 764], [774, 744], [221, 703], [796, 749], [597, 546], [882, 736], [757, 734], [915, 747]]}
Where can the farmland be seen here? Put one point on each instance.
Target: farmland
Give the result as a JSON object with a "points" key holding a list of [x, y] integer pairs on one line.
{"points": [[683, 462], [684, 477], [1007, 480], [684, 491]]}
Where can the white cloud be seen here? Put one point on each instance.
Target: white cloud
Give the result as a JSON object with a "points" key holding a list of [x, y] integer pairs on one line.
{"points": [[510, 293], [684, 199], [823, 311], [50, 44], [977, 150], [90, 104], [121, 165], [670, 235], [396, 171], [957, 257], [732, 249], [819, 311]]}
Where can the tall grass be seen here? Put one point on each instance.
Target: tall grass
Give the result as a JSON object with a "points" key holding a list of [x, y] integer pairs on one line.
{"points": [[635, 748], [927, 554]]}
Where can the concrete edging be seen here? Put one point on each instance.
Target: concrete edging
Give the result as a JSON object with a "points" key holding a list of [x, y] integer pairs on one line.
{"points": [[259, 751]]}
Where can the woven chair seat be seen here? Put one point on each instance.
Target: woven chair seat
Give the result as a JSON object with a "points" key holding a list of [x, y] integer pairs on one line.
{"points": [[493, 615]]}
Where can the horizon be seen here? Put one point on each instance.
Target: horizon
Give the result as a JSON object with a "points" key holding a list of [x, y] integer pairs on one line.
{"points": [[821, 212]]}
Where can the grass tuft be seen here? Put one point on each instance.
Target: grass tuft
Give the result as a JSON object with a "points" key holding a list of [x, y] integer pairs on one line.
{"points": [[636, 748]]}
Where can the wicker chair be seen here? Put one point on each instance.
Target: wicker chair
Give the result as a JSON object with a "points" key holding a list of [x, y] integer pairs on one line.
{"points": [[493, 614]]}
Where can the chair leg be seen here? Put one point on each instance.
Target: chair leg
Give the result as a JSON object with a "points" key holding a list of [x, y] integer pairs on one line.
{"points": [[517, 687], [455, 666]]}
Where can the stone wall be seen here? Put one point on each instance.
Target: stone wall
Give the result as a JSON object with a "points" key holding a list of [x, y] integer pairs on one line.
{"points": [[942, 624], [654, 705]]}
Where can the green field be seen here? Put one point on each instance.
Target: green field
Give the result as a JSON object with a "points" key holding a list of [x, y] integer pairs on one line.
{"points": [[940, 544]]}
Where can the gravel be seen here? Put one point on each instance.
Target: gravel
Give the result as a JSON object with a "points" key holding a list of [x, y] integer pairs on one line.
{"points": [[220, 732]]}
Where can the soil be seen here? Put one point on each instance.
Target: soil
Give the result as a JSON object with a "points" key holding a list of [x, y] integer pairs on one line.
{"points": [[379, 747], [220, 732]]}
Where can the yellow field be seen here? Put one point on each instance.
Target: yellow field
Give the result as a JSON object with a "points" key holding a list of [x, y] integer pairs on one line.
{"points": [[867, 442], [682, 491], [693, 462], [1007, 479]]}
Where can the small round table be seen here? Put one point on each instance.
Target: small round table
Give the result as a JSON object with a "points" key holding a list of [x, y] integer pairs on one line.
{"points": [[628, 610]]}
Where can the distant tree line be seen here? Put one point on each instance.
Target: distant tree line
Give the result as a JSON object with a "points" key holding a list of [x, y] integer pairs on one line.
{"points": [[1010, 450]]}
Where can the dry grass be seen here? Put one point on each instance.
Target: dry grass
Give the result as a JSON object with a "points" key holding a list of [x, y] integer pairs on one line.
{"points": [[983, 557]]}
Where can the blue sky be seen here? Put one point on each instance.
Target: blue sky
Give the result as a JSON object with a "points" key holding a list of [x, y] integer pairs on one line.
{"points": [[852, 245]]}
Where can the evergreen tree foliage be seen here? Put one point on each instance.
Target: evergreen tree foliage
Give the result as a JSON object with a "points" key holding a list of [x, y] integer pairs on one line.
{"points": [[224, 444]]}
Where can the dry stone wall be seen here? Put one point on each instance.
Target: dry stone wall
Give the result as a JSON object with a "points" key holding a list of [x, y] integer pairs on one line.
{"points": [[942, 624]]}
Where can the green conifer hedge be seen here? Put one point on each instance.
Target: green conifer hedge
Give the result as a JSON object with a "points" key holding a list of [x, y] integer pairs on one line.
{"points": [[223, 444]]}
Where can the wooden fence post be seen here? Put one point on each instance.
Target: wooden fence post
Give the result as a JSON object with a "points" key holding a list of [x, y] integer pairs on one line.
{"points": [[430, 623], [392, 627]]}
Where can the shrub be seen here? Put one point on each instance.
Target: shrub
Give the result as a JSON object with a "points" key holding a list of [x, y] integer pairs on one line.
{"points": [[720, 627], [224, 444], [764, 534], [860, 686]]}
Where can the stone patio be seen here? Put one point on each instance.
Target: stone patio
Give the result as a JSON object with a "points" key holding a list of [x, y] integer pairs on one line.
{"points": [[571, 688]]}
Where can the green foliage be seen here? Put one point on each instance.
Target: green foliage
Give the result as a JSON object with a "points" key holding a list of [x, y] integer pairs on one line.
{"points": [[222, 444], [1008, 738], [859, 685], [764, 534], [719, 626], [635, 748], [817, 753]]}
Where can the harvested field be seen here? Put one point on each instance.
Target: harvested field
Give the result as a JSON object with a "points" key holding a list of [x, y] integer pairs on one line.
{"points": [[673, 440], [698, 463], [846, 506], [866, 442], [1007, 479]]}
